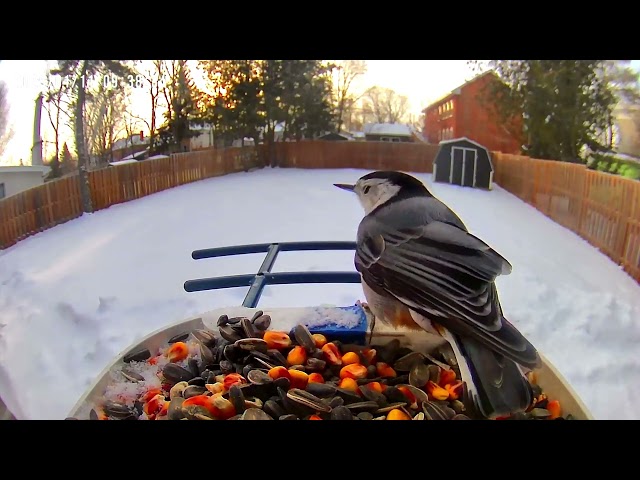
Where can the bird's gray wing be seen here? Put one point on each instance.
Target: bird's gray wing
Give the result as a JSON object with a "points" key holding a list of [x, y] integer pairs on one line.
{"points": [[446, 274]]}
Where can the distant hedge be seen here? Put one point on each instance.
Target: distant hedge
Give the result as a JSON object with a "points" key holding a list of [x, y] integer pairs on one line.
{"points": [[615, 165]]}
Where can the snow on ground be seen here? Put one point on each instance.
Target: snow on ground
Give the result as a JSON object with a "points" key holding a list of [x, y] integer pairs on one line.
{"points": [[74, 296]]}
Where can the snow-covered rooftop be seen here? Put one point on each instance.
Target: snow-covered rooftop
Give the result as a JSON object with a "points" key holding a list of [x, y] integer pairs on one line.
{"points": [[135, 155], [395, 129], [123, 162], [43, 169]]}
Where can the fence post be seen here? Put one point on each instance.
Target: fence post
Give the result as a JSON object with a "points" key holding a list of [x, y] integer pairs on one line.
{"points": [[626, 207], [583, 204]]}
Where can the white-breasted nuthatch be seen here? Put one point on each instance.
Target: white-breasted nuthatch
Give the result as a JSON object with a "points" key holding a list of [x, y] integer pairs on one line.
{"points": [[422, 269]]}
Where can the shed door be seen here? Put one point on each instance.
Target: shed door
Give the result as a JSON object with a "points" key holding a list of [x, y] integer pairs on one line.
{"points": [[457, 160], [469, 167]]}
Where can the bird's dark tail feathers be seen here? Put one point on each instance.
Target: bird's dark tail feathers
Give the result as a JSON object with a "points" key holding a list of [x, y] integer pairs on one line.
{"points": [[497, 386]]}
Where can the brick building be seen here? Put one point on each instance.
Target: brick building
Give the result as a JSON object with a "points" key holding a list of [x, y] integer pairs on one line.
{"points": [[466, 112]]}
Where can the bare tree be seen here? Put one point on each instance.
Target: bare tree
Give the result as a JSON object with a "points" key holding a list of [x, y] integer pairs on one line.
{"points": [[416, 122], [6, 132], [104, 114], [396, 106], [78, 73], [169, 70], [58, 107], [132, 124], [386, 105], [155, 76], [374, 103], [346, 73]]}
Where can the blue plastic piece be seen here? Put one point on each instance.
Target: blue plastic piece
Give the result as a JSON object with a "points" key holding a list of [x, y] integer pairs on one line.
{"points": [[356, 335]]}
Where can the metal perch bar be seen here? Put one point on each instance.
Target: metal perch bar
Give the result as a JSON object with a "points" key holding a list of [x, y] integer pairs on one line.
{"points": [[264, 277]]}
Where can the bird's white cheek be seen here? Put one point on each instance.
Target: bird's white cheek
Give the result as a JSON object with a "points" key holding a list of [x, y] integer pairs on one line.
{"points": [[366, 204]]}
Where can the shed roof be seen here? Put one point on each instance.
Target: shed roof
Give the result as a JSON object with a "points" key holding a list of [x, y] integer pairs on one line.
{"points": [[459, 139]]}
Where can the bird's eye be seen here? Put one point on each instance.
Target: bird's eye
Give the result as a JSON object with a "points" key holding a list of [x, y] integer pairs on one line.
{"points": [[366, 189]]}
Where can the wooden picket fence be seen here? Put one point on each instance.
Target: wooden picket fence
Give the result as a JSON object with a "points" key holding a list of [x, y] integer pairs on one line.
{"points": [[58, 201], [603, 209]]}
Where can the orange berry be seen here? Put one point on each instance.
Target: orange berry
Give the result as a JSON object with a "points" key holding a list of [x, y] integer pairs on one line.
{"points": [[436, 392], [299, 379], [355, 370], [280, 371], [350, 357], [319, 339], [408, 393], [316, 378], [397, 414], [369, 355], [177, 352], [446, 376], [297, 356], [332, 354], [384, 370], [349, 384], [220, 407], [455, 390], [376, 386], [277, 340], [232, 379], [554, 409]]}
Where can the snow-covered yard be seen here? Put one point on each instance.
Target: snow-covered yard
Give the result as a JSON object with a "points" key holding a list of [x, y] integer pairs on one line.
{"points": [[74, 296]]}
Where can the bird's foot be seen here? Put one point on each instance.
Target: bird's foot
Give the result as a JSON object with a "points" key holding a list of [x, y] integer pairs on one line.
{"points": [[364, 305]]}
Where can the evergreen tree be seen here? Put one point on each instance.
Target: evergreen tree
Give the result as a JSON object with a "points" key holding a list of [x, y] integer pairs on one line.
{"points": [[246, 97], [67, 163], [565, 104], [298, 94], [56, 170], [232, 103], [181, 96]]}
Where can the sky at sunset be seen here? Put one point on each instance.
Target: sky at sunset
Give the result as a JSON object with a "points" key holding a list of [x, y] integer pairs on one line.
{"points": [[422, 81]]}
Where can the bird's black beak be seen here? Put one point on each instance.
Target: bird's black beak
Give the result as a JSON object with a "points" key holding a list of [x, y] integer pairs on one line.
{"points": [[345, 186]]}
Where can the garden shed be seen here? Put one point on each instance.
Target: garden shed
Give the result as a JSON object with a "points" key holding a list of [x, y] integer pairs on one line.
{"points": [[461, 161]]}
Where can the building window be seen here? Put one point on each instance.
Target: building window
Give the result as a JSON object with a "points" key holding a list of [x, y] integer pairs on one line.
{"points": [[2, 192], [446, 133]]}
